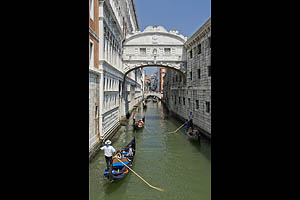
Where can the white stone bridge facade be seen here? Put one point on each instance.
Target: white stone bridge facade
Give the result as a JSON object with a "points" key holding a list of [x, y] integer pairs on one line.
{"points": [[151, 93], [155, 46]]}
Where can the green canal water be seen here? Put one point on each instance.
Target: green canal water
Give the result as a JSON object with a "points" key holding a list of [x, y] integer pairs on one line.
{"points": [[169, 161]]}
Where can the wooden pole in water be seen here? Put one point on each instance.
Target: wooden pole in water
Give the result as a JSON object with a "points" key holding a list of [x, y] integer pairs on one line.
{"points": [[159, 189], [178, 128]]}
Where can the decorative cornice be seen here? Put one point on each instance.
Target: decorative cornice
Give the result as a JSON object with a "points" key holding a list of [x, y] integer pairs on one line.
{"points": [[152, 30], [202, 31], [95, 70]]}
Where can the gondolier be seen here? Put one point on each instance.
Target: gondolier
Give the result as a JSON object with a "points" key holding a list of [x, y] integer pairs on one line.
{"points": [[122, 158], [108, 153]]}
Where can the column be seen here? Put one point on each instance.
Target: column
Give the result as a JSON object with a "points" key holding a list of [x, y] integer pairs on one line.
{"points": [[101, 58]]}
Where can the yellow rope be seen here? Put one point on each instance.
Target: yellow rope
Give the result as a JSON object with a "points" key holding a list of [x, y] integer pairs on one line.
{"points": [[159, 189]]}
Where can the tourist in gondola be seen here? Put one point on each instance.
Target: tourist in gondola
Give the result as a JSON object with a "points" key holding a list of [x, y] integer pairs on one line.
{"points": [[141, 122], [129, 155], [190, 132], [130, 151], [108, 153]]}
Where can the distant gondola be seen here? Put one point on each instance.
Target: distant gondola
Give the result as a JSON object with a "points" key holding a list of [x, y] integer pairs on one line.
{"points": [[193, 134], [138, 125], [118, 170]]}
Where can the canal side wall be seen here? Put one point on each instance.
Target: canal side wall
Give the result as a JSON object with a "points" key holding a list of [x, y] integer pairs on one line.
{"points": [[108, 135], [183, 119], [123, 120], [192, 96], [203, 132]]}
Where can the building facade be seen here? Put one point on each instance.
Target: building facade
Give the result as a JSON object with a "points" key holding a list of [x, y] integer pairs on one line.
{"points": [[193, 94], [162, 72], [116, 20], [110, 21], [94, 104], [147, 83]]}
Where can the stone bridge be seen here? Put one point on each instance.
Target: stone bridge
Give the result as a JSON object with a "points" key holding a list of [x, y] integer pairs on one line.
{"points": [[155, 46], [151, 93]]}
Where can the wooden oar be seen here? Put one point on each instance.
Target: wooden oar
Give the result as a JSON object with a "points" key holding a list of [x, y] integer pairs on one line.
{"points": [[178, 128], [159, 189]]}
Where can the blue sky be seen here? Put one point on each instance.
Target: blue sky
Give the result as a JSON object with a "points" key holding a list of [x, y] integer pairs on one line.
{"points": [[186, 16]]}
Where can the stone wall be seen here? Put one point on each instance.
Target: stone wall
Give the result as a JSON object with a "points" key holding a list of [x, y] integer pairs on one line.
{"points": [[193, 95], [93, 110]]}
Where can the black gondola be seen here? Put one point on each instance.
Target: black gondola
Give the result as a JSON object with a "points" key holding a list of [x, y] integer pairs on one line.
{"points": [[138, 125], [118, 170], [193, 134]]}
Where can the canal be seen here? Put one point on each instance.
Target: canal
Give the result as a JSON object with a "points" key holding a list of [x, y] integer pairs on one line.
{"points": [[166, 160]]}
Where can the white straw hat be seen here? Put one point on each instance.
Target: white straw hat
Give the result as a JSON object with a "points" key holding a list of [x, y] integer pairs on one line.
{"points": [[108, 142]]}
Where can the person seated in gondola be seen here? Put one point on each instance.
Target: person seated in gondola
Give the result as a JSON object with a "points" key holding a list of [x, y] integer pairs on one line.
{"points": [[191, 133], [140, 123], [130, 153], [195, 132]]}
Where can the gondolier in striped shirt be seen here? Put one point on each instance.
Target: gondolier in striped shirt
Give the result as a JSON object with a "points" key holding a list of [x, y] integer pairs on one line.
{"points": [[108, 153]]}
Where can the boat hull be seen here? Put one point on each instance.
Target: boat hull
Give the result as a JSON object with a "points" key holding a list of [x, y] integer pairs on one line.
{"points": [[118, 170]]}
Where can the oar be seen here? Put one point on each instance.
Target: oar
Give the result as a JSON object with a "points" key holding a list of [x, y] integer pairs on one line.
{"points": [[159, 189], [178, 128]]}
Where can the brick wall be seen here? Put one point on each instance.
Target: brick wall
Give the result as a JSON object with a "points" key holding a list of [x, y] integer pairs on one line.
{"points": [[94, 27]]}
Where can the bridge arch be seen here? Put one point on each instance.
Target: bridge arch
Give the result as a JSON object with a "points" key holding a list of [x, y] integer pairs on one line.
{"points": [[158, 95], [182, 73], [154, 47]]}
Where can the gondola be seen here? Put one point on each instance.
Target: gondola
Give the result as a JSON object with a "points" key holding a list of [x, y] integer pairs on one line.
{"points": [[193, 134], [138, 125], [118, 170]]}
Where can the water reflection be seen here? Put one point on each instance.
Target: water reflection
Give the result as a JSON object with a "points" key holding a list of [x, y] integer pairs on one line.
{"points": [[169, 161]]}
